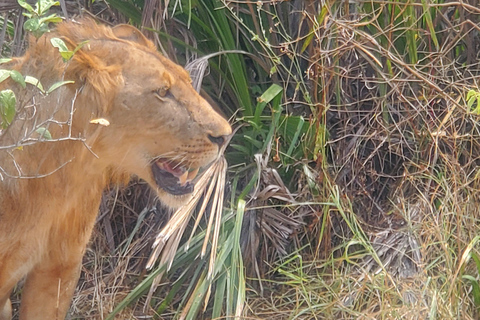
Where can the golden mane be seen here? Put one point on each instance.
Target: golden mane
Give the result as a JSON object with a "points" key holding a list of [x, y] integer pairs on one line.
{"points": [[88, 65]]}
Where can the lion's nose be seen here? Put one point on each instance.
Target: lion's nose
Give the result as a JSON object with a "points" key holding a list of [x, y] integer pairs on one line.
{"points": [[220, 141]]}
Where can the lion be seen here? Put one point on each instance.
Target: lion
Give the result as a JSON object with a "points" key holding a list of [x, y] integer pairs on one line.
{"points": [[123, 109]]}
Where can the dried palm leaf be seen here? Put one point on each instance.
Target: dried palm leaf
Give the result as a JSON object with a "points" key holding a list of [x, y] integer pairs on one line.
{"points": [[198, 66], [398, 249], [168, 239]]}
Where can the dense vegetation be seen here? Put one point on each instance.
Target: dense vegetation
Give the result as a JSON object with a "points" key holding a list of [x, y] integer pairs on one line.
{"points": [[353, 174]]}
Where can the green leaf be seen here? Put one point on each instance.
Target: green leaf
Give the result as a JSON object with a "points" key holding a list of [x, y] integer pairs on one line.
{"points": [[270, 93], [43, 28], [298, 131], [45, 5], [15, 75], [32, 24], [4, 74], [276, 113], [471, 101], [79, 46], [56, 85], [34, 82], [5, 60], [219, 297], [58, 43], [256, 143], [53, 18], [18, 78], [62, 48], [273, 70], [471, 93], [44, 133], [25, 5], [265, 98], [429, 21], [476, 258], [472, 97], [311, 34], [475, 289], [7, 106], [240, 148]]}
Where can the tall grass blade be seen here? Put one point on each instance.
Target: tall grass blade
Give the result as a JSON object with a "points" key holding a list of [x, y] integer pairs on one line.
{"points": [[429, 21], [410, 19]]}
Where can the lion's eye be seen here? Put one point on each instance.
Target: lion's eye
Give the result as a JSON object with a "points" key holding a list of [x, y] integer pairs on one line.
{"points": [[162, 92]]}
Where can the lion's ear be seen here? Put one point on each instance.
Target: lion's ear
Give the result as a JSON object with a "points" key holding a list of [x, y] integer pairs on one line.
{"points": [[98, 78], [130, 33]]}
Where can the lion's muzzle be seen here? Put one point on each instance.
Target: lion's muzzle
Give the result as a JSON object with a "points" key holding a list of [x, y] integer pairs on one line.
{"points": [[174, 178]]}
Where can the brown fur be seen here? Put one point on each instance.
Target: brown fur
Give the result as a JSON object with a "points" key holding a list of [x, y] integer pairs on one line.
{"points": [[50, 190]]}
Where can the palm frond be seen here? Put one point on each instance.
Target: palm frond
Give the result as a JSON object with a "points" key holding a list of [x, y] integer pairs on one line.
{"points": [[168, 239]]}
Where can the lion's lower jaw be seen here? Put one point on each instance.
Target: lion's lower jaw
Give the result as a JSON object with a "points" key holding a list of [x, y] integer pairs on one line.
{"points": [[172, 201]]}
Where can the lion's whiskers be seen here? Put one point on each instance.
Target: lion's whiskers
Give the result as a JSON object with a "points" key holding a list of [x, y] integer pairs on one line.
{"points": [[169, 156]]}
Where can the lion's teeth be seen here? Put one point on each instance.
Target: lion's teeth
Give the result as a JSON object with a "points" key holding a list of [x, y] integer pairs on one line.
{"points": [[192, 174], [183, 178]]}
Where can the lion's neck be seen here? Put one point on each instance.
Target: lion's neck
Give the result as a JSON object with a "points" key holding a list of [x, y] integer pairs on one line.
{"points": [[67, 166]]}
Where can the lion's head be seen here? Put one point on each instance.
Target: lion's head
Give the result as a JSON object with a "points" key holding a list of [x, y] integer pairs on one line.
{"points": [[160, 128]]}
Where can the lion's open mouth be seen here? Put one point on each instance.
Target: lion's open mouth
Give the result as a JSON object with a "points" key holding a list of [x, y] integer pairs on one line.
{"points": [[174, 178]]}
